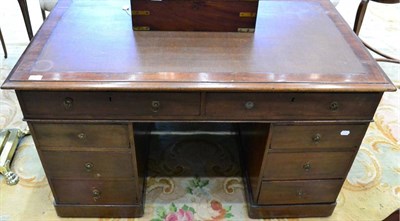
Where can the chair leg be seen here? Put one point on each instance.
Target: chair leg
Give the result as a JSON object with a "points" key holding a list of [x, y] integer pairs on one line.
{"points": [[43, 14], [25, 13], [3, 44], [362, 8], [387, 58]]}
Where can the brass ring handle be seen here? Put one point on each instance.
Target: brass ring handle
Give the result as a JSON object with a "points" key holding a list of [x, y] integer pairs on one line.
{"points": [[307, 166], [96, 194], [334, 106], [155, 106], [82, 136], [68, 103], [316, 138], [249, 105], [89, 166]]}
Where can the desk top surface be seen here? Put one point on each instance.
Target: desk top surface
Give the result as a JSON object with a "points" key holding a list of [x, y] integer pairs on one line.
{"points": [[298, 45]]}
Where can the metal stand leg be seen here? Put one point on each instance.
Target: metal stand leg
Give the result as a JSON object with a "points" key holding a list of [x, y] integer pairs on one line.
{"points": [[9, 140]]}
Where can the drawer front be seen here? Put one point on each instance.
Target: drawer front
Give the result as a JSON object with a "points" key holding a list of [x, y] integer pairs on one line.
{"points": [[194, 15], [78, 136], [92, 192], [318, 136], [299, 192], [316, 165], [60, 164], [107, 105], [292, 106]]}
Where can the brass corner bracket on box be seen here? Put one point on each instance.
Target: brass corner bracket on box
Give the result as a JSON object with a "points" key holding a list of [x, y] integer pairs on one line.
{"points": [[9, 140]]}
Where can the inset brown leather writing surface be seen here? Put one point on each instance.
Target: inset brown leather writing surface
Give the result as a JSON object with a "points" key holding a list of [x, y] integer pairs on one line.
{"points": [[308, 47]]}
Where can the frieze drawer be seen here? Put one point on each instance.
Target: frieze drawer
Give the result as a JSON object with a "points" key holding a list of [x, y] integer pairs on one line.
{"points": [[88, 164], [318, 136], [95, 192], [310, 165], [299, 192], [108, 105], [78, 136], [292, 106]]}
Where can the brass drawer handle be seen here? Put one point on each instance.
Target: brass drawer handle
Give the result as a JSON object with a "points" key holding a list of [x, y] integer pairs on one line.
{"points": [[334, 106], [96, 194], [300, 193], [249, 105], [307, 166], [89, 166], [155, 106], [316, 138], [82, 136], [68, 102]]}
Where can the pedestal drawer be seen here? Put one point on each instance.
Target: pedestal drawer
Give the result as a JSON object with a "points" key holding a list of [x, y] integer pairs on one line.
{"points": [[94, 192], [318, 136], [107, 105], [76, 136], [83, 164], [292, 106], [311, 165], [299, 192]]}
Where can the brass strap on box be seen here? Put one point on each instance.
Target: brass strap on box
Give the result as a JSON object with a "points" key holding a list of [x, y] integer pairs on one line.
{"points": [[247, 14], [138, 12]]}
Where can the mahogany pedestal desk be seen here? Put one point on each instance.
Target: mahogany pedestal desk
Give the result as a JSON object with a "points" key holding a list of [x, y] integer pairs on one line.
{"points": [[302, 89]]}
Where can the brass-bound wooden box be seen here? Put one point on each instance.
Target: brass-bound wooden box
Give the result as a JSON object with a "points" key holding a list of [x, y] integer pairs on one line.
{"points": [[194, 15]]}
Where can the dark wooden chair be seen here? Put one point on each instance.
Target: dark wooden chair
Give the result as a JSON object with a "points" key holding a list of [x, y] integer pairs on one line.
{"points": [[3, 44], [362, 8], [25, 13], [46, 5]]}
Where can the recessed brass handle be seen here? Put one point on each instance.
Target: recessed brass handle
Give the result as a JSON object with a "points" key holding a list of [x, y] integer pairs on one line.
{"points": [[82, 136], [89, 166], [316, 138], [68, 103], [307, 166], [334, 106], [155, 106], [249, 105], [96, 194]]}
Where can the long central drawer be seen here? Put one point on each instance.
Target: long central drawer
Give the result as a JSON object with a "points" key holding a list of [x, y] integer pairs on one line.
{"points": [[107, 105], [292, 106]]}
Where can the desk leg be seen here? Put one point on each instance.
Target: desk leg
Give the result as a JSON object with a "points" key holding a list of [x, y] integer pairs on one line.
{"points": [[25, 13], [255, 140], [141, 143]]}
